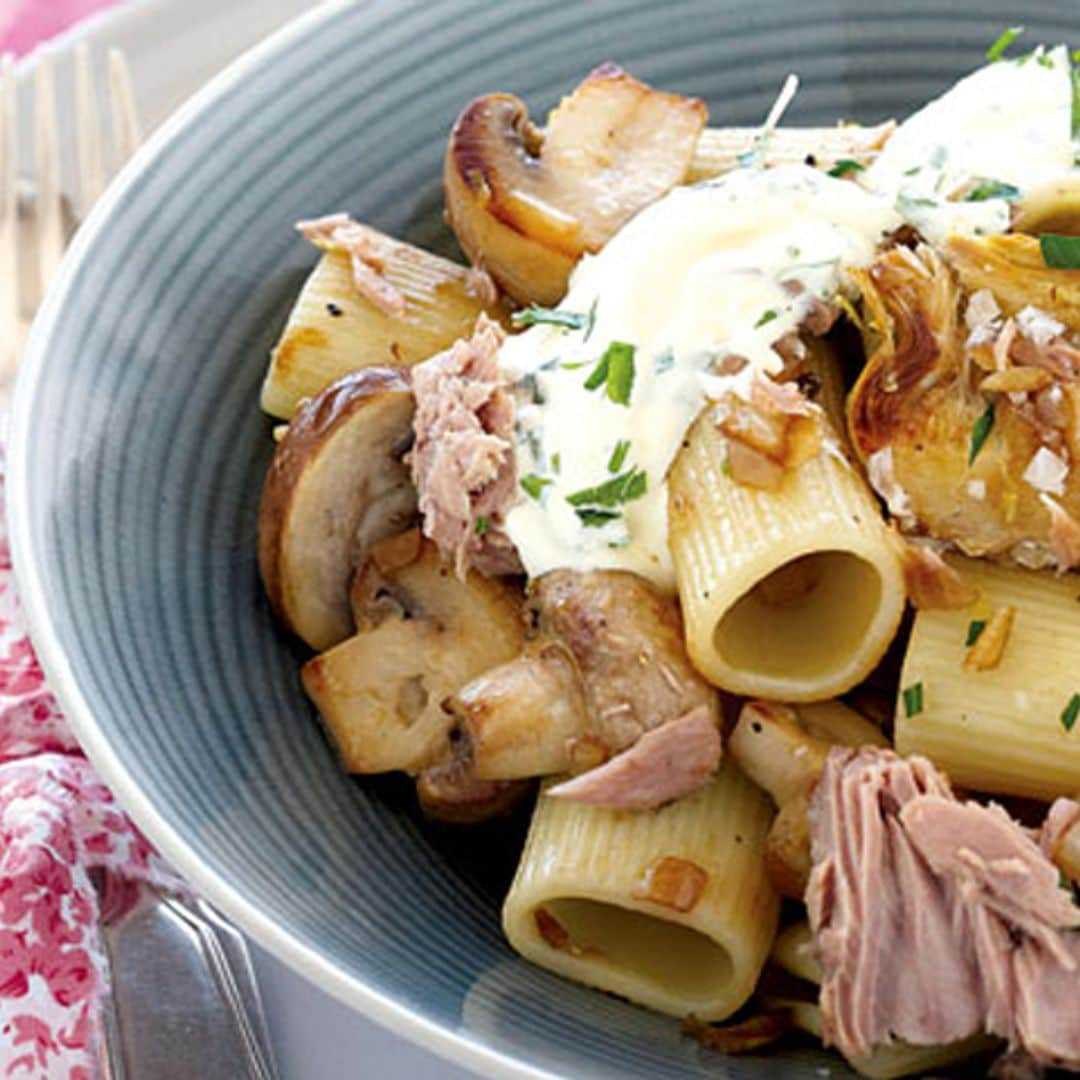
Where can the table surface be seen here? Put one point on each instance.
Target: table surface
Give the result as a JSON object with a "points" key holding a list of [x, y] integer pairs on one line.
{"points": [[173, 47]]}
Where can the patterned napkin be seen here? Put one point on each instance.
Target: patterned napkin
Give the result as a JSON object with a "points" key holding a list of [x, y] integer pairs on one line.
{"points": [[58, 822], [23, 23]]}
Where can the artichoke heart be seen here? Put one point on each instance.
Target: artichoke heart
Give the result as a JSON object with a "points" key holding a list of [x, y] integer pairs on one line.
{"points": [[965, 412]]}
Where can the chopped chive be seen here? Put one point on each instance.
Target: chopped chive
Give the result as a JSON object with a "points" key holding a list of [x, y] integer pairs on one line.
{"points": [[573, 365], [591, 321], [590, 517], [1060, 252], [556, 462], [980, 432], [992, 189], [845, 166], [1005, 39], [482, 525], [618, 455], [1070, 713], [766, 317], [533, 484], [913, 699], [620, 378], [535, 315], [599, 373], [974, 630], [1074, 78], [1043, 60], [620, 489]]}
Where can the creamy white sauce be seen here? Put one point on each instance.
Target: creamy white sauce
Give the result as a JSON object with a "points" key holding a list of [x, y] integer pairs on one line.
{"points": [[694, 278], [1010, 121]]}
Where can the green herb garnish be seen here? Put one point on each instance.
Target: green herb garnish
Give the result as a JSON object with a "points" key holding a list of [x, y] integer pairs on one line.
{"points": [[1060, 252], [618, 455], [845, 166], [903, 200], [533, 484], [620, 380], [482, 525], [766, 317], [624, 488], [913, 699], [535, 315], [592, 518], [992, 189], [556, 462], [974, 630], [615, 370], [980, 432], [1007, 37], [1074, 78], [1070, 713]]}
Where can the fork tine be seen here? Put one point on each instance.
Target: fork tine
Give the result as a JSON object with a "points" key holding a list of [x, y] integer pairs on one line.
{"points": [[47, 198], [10, 328], [88, 132], [125, 120]]}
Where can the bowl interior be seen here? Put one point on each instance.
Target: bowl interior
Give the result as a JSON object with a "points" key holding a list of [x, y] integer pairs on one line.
{"points": [[140, 451]]}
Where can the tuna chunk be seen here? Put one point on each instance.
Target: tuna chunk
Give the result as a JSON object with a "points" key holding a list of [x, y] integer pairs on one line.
{"points": [[666, 763], [936, 919], [463, 458]]}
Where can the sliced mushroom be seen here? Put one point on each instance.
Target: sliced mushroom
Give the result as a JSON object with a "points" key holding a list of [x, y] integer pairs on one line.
{"points": [[783, 750], [336, 485], [527, 204], [452, 793], [521, 718], [425, 634], [627, 641]]}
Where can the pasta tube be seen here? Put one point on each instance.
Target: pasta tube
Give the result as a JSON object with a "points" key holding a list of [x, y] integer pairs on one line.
{"points": [[332, 330], [718, 149], [792, 594], [669, 908], [1007, 724]]}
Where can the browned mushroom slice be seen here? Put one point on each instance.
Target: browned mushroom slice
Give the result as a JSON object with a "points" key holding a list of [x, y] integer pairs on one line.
{"points": [[336, 485], [425, 636], [520, 718], [627, 641], [452, 793], [527, 204]]}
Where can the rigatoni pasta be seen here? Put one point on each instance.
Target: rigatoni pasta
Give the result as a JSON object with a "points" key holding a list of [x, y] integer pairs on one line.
{"points": [[669, 908], [791, 594], [719, 149], [1009, 728], [333, 330]]}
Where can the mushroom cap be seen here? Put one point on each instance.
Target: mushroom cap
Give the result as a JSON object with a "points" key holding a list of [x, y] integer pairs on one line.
{"points": [[527, 204], [337, 484]]}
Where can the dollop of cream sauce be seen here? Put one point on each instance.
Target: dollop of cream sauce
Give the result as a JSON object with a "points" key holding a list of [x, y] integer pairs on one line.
{"points": [[706, 273], [1008, 123]]}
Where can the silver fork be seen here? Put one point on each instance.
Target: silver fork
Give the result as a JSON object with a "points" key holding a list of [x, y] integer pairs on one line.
{"points": [[37, 220], [184, 1001]]}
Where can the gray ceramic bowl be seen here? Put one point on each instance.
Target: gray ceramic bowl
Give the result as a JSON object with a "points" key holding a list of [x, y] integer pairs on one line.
{"points": [[139, 450]]}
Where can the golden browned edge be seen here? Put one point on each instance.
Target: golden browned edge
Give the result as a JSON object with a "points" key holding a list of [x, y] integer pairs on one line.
{"points": [[317, 419]]}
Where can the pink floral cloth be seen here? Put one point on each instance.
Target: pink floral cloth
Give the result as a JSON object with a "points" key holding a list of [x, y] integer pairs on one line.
{"points": [[23, 23], [58, 822]]}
